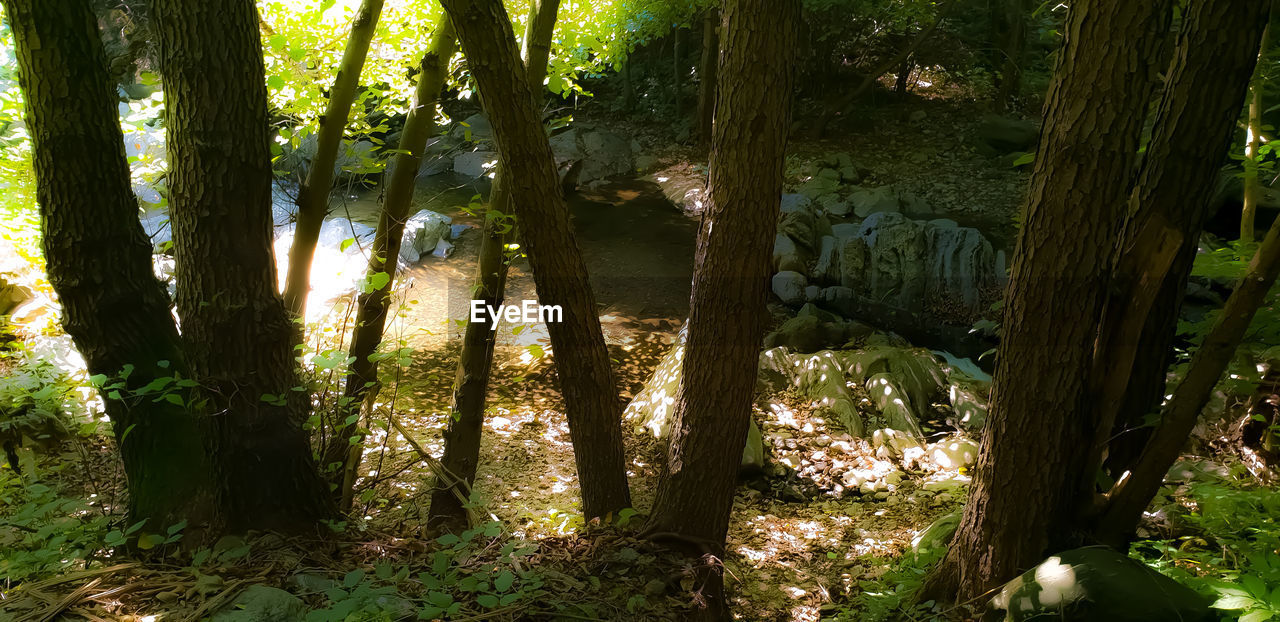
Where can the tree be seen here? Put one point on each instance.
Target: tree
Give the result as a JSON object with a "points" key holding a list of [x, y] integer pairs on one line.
{"points": [[707, 74], [375, 303], [730, 284], [313, 197], [462, 432], [1252, 185], [560, 276], [1026, 488], [99, 259], [235, 329]]}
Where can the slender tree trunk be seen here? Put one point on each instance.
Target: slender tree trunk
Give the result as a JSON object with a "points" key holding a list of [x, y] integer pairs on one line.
{"points": [[707, 74], [730, 283], [1024, 493], [237, 333], [677, 73], [628, 85], [560, 275], [373, 306], [99, 259], [1132, 494], [1214, 57], [313, 197], [1012, 47], [462, 432], [1252, 186]]}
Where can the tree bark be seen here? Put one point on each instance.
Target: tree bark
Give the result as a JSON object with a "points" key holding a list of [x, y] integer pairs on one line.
{"points": [[463, 431], [313, 197], [99, 259], [236, 331], [560, 275], [1252, 187], [1213, 59], [1012, 46], [1025, 490], [707, 74], [345, 446], [730, 283], [1132, 494]]}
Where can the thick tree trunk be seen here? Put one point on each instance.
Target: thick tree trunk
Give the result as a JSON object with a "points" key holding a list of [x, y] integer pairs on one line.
{"points": [[560, 275], [707, 74], [1214, 57], [730, 283], [462, 432], [313, 197], [237, 333], [1024, 493], [99, 259], [345, 446]]}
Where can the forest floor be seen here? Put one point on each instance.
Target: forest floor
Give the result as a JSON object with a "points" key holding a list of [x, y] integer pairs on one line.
{"points": [[800, 546]]}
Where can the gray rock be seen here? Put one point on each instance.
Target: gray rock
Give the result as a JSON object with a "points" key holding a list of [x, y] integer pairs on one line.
{"points": [[873, 200], [826, 269], [336, 231], [789, 286], [422, 232], [474, 128], [442, 250], [845, 230], [802, 227], [811, 293], [259, 603], [603, 154], [1004, 135], [474, 163], [787, 256], [795, 203]]}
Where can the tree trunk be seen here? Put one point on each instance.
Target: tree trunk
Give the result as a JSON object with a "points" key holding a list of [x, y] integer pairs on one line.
{"points": [[1252, 187], [463, 430], [99, 259], [560, 275], [237, 333], [313, 197], [677, 73], [1214, 57], [730, 283], [1132, 494], [707, 75], [1012, 46], [345, 446], [1024, 493]]}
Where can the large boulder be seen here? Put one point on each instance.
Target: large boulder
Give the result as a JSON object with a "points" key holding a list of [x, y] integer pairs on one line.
{"points": [[1097, 583], [652, 408], [345, 236], [789, 286], [603, 154], [1005, 135], [474, 129], [903, 262], [475, 163]]}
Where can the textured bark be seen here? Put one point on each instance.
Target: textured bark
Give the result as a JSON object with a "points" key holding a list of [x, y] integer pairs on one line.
{"points": [[371, 317], [237, 334], [730, 282], [1030, 469], [463, 430], [707, 74], [98, 257], [1214, 56], [313, 197], [559, 273], [1252, 186], [1132, 494]]}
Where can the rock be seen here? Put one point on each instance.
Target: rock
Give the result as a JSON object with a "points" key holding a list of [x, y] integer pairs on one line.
{"points": [[653, 406], [1097, 583], [795, 203], [603, 154], [442, 250], [826, 269], [475, 129], [259, 603], [801, 226], [787, 256], [872, 200], [1004, 135], [962, 263], [681, 185], [832, 205], [13, 296], [931, 544], [897, 412], [811, 293], [645, 162], [824, 181], [422, 232], [954, 453], [844, 231], [800, 333], [335, 233], [968, 406], [695, 201], [474, 163], [789, 286]]}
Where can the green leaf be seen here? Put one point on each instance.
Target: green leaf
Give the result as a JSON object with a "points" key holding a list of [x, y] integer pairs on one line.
{"points": [[503, 581], [488, 601], [275, 82], [1257, 615]]}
